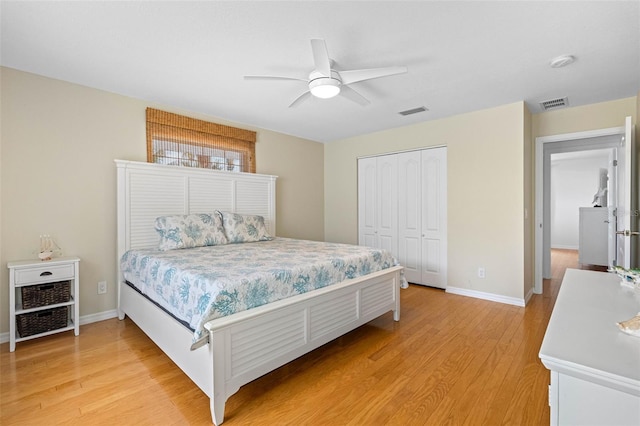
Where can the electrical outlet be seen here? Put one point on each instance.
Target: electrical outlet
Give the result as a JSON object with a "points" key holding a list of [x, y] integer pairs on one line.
{"points": [[102, 287], [481, 272]]}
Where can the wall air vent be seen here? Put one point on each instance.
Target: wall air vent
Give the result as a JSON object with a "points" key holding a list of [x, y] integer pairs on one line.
{"points": [[554, 103], [413, 111]]}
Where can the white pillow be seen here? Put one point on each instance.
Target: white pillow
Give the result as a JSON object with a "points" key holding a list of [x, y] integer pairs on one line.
{"points": [[240, 228], [187, 231]]}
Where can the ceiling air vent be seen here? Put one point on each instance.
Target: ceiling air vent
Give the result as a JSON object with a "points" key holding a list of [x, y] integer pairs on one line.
{"points": [[413, 111], [554, 103]]}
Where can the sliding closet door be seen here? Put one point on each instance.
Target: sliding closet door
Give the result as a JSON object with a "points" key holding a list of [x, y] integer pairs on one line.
{"points": [[434, 217]]}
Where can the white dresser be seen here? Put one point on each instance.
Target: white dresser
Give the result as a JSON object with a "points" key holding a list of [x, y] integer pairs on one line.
{"points": [[595, 368]]}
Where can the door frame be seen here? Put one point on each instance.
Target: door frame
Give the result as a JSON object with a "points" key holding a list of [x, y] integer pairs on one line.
{"points": [[539, 179]]}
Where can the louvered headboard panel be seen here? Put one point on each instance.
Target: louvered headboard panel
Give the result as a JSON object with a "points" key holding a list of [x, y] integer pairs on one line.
{"points": [[146, 191]]}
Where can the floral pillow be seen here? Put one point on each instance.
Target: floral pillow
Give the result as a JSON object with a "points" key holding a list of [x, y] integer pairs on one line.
{"points": [[240, 228], [187, 231]]}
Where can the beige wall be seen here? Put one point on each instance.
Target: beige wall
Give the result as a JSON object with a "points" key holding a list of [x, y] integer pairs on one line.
{"points": [[485, 157], [580, 119], [58, 143]]}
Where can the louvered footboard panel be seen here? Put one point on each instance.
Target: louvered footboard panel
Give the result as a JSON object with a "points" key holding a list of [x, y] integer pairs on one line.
{"points": [[332, 314], [266, 338], [377, 298]]}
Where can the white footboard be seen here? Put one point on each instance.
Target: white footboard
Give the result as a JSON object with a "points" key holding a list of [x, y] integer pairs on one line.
{"points": [[252, 343]]}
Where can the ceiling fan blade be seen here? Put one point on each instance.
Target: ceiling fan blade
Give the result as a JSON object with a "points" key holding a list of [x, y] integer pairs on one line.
{"points": [[354, 96], [272, 77], [354, 76], [321, 57], [306, 95]]}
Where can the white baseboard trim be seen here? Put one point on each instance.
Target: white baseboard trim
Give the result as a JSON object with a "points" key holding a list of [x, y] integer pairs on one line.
{"points": [[527, 297], [561, 247], [100, 316], [87, 319], [486, 296]]}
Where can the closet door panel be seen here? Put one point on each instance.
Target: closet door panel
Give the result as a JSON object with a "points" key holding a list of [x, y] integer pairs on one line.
{"points": [[387, 205], [409, 215], [410, 259], [367, 181], [432, 258], [434, 217]]}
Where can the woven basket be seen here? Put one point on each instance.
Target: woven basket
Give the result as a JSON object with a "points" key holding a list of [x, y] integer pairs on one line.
{"points": [[41, 321], [34, 296]]}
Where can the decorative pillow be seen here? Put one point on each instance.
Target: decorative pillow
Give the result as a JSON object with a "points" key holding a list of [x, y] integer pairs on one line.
{"points": [[240, 228], [193, 230]]}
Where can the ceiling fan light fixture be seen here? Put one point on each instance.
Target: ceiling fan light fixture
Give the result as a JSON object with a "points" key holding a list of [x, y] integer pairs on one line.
{"points": [[324, 87]]}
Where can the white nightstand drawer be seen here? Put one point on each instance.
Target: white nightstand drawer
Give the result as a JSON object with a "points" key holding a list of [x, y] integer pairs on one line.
{"points": [[45, 273]]}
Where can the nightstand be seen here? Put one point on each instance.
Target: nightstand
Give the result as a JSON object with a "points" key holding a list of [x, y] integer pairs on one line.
{"points": [[43, 298]]}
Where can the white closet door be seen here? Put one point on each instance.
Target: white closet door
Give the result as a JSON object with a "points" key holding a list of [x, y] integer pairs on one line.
{"points": [[409, 215], [387, 205], [402, 208], [367, 201], [434, 217]]}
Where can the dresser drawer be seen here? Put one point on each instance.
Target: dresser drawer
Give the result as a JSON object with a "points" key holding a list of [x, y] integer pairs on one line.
{"points": [[44, 274]]}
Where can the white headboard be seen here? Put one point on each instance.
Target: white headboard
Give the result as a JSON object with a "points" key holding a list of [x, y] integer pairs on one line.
{"points": [[147, 190]]}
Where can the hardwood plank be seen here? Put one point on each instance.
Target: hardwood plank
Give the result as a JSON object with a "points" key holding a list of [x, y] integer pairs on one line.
{"points": [[450, 360]]}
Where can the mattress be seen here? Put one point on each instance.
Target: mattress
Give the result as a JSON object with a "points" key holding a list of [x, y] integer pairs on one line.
{"points": [[200, 284]]}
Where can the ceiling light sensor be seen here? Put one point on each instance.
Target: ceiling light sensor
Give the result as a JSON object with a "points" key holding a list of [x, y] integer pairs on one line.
{"points": [[562, 61]]}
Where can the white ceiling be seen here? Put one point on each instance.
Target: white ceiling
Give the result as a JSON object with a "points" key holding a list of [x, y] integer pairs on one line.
{"points": [[461, 56]]}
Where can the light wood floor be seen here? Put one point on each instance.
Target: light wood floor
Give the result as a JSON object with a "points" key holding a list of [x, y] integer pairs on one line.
{"points": [[450, 360]]}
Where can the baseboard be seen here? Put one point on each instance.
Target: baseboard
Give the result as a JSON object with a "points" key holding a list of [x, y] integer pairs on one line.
{"points": [[86, 319], [527, 297], [561, 247], [100, 316], [486, 296]]}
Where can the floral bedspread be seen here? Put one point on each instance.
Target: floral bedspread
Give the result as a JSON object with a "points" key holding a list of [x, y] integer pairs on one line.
{"points": [[200, 284]]}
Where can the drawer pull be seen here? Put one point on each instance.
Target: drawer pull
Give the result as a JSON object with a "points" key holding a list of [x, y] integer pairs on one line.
{"points": [[45, 287], [44, 314], [46, 273]]}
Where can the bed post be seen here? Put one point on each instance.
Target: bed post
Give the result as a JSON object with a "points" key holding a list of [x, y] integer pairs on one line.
{"points": [[218, 360], [396, 290]]}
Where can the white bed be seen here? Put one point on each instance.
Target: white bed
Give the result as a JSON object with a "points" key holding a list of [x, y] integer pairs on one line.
{"points": [[234, 355]]}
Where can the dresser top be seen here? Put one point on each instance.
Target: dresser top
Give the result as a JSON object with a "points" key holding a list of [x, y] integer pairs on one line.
{"points": [[582, 338]]}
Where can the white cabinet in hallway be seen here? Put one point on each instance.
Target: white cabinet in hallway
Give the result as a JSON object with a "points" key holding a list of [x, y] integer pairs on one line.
{"points": [[594, 236], [411, 203]]}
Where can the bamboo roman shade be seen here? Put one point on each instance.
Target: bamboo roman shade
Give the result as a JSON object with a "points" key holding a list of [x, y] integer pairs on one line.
{"points": [[184, 141]]}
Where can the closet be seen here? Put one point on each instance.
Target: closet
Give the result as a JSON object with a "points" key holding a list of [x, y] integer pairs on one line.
{"points": [[402, 208]]}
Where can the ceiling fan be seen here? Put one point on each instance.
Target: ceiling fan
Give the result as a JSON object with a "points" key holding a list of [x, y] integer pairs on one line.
{"points": [[325, 82]]}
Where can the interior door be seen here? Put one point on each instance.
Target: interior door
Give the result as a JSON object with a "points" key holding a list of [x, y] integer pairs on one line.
{"points": [[612, 202], [624, 231]]}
